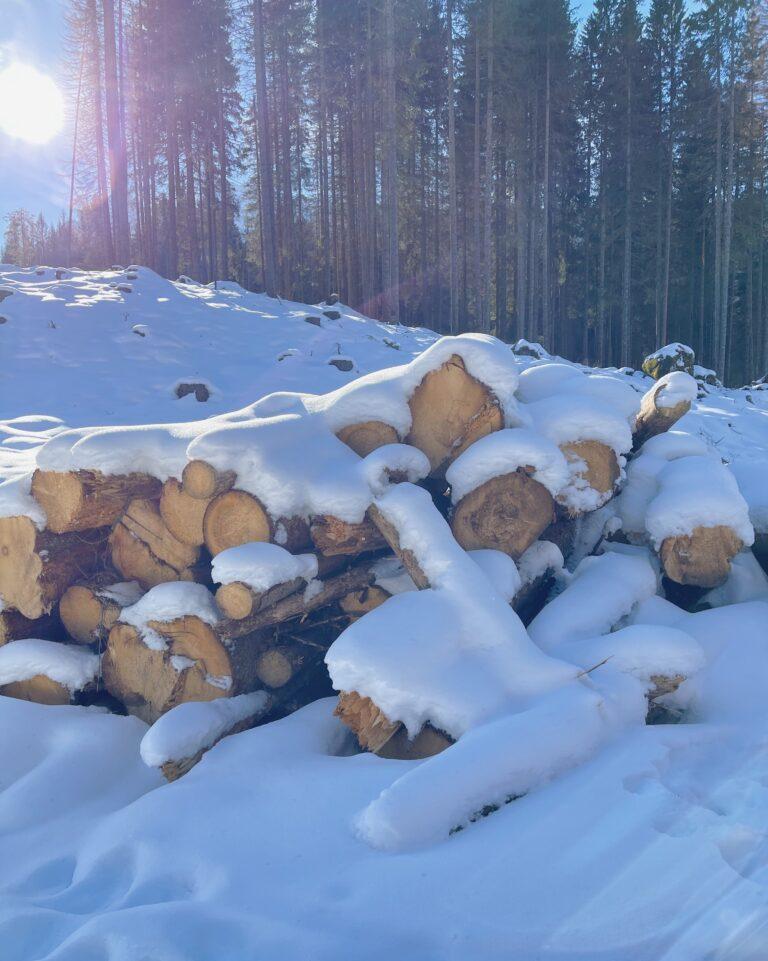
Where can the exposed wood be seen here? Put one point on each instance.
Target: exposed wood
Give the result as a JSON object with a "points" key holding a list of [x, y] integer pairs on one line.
{"points": [[143, 549], [194, 666], [83, 500], [39, 689], [36, 567], [392, 537], [333, 537], [201, 480], [237, 600], [89, 611], [602, 467], [653, 419], [357, 603], [702, 558], [376, 733], [506, 513], [235, 518], [14, 627], [182, 513], [450, 410], [367, 436]]}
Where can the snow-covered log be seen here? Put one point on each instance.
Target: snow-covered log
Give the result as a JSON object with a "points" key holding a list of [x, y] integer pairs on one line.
{"points": [[178, 740], [182, 513], [143, 549], [85, 499], [256, 575], [46, 672], [451, 409], [89, 610], [36, 567], [663, 405]]}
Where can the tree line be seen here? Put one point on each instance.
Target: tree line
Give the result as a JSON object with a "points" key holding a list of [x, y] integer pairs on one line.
{"points": [[461, 164]]}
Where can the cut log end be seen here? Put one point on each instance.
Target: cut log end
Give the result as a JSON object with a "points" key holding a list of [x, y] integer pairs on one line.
{"points": [[653, 419], [182, 513], [507, 513], [234, 518], [144, 550], [602, 466], [450, 410], [235, 600], [39, 689], [367, 436], [700, 559], [201, 480], [389, 739], [87, 614]]}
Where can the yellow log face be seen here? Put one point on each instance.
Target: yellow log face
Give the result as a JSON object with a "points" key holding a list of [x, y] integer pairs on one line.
{"points": [[367, 436], [507, 513], [701, 559], [182, 513], [39, 689], [451, 410], [20, 566], [235, 518]]}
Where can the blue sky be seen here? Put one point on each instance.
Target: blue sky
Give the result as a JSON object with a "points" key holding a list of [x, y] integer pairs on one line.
{"points": [[32, 176]]}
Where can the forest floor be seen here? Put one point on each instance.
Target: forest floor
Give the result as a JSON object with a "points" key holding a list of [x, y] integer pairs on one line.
{"points": [[654, 848]]}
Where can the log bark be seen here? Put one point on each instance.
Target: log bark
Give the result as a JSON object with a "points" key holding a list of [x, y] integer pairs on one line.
{"points": [[333, 537], [506, 513], [450, 410], [143, 549], [654, 419], [36, 567], [368, 436], [200, 479], [701, 559], [83, 500], [392, 537], [14, 627], [89, 611], [182, 513]]}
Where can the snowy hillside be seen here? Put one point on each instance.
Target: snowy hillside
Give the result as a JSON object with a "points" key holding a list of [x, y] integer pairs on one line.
{"points": [[621, 840]]}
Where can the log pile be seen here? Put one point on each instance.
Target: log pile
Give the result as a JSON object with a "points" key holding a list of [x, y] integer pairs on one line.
{"points": [[110, 539]]}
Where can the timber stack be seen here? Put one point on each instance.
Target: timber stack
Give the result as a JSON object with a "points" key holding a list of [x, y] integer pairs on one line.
{"points": [[236, 573]]}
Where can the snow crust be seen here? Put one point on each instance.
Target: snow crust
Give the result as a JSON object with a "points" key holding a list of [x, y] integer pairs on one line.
{"points": [[261, 566], [196, 725], [503, 452], [74, 667]]}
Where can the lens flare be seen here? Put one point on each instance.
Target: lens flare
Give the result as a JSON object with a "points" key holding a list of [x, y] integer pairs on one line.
{"points": [[31, 105]]}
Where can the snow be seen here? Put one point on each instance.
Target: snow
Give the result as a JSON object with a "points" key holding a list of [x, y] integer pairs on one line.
{"points": [[74, 667], [261, 566], [455, 654], [499, 568], [166, 602], [696, 492], [541, 556], [602, 590], [192, 727], [124, 593], [746, 581], [503, 452], [402, 459], [675, 388], [631, 841]]}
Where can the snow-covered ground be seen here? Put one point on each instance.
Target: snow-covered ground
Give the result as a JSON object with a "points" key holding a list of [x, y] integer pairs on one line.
{"points": [[650, 843]]}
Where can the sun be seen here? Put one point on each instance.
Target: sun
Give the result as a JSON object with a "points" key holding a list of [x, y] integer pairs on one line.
{"points": [[31, 105]]}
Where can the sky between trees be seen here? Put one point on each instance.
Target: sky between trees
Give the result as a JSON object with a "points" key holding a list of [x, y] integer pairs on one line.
{"points": [[463, 164]]}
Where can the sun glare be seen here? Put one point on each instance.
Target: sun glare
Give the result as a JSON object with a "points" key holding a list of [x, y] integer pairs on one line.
{"points": [[31, 105]]}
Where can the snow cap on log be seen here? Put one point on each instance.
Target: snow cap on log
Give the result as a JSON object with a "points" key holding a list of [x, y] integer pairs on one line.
{"points": [[664, 404], [45, 671], [261, 566], [168, 602]]}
